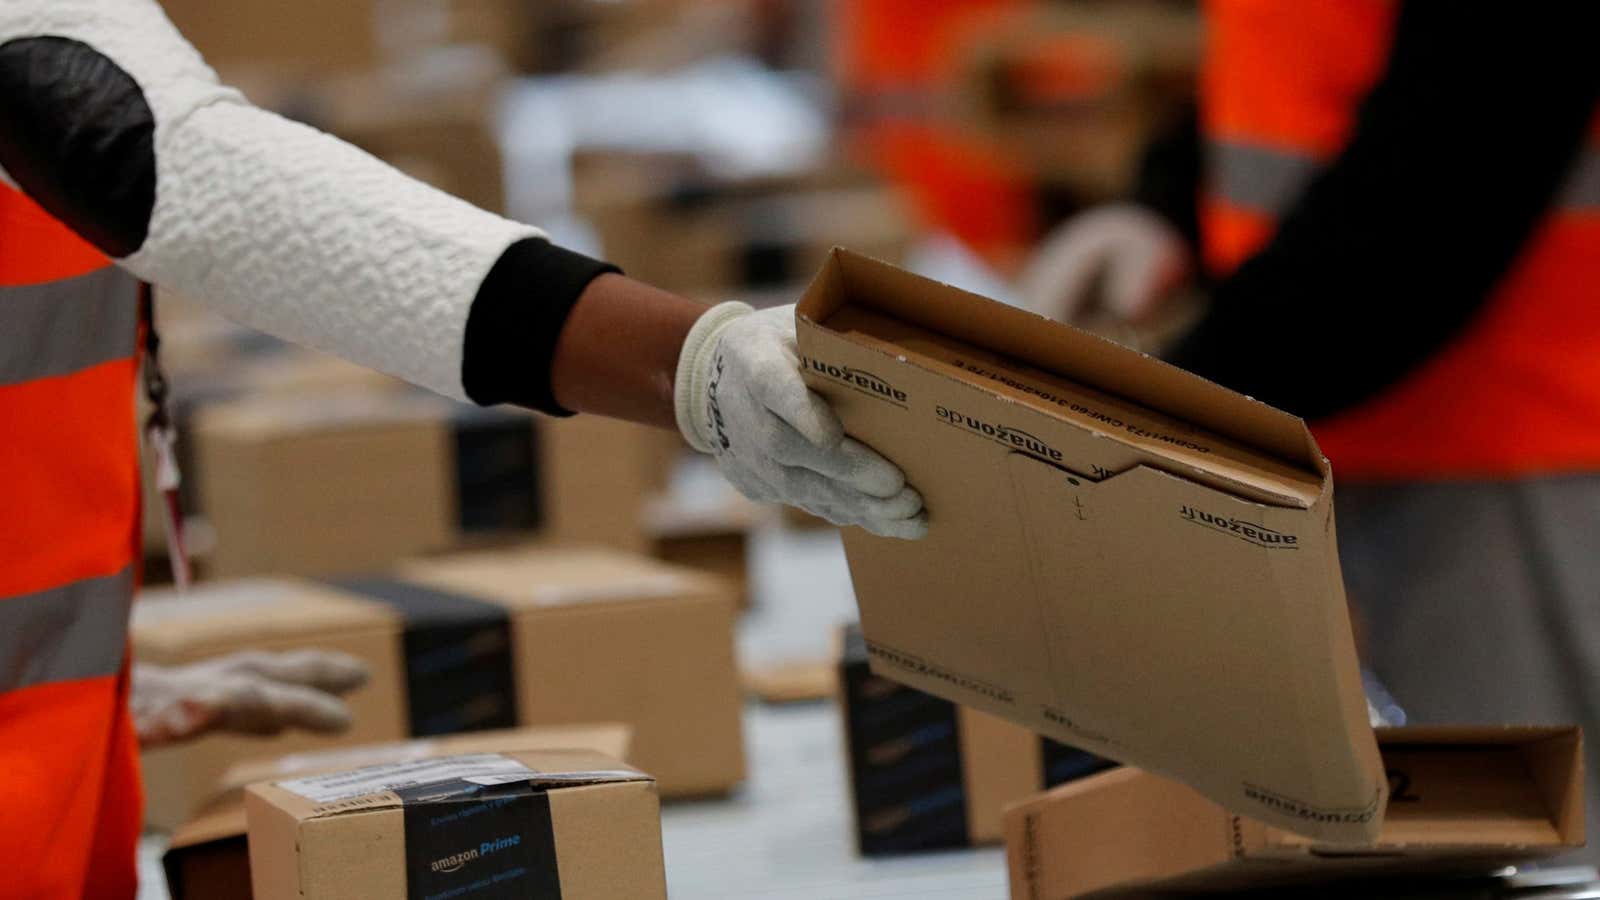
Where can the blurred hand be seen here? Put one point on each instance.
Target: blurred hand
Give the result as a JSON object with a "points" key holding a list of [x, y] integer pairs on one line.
{"points": [[740, 397], [1121, 260], [252, 692]]}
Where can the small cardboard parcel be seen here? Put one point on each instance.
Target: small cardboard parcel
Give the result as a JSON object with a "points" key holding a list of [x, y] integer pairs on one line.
{"points": [[1121, 555], [574, 824]]}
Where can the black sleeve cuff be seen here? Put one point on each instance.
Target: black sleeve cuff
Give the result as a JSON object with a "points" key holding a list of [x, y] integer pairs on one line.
{"points": [[516, 320]]}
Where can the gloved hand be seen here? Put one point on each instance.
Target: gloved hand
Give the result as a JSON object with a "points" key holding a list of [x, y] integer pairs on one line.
{"points": [[251, 692], [739, 397], [1131, 254]]}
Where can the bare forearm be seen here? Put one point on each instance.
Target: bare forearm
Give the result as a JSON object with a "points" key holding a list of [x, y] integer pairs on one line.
{"points": [[619, 349]]}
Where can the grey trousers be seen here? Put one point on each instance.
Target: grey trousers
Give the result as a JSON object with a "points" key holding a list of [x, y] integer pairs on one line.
{"points": [[1481, 601]]}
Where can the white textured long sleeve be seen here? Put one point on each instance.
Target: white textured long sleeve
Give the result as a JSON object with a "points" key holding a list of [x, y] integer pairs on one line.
{"points": [[282, 227]]}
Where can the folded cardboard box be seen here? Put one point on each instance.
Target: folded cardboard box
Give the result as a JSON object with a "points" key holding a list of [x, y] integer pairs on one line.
{"points": [[1462, 801], [538, 637], [926, 774], [208, 855], [351, 481], [527, 823], [600, 634], [1121, 555]]}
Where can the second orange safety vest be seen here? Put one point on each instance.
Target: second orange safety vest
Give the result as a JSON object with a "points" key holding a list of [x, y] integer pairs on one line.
{"points": [[1519, 391], [70, 802]]}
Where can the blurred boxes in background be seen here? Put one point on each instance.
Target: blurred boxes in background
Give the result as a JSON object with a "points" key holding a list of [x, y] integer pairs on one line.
{"points": [[301, 34], [545, 636], [351, 481], [1076, 90], [1462, 801], [926, 774], [605, 635], [667, 221], [208, 855], [612, 483], [533, 823]]}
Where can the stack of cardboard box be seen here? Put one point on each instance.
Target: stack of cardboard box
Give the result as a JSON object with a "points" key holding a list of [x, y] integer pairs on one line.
{"points": [[545, 636]]}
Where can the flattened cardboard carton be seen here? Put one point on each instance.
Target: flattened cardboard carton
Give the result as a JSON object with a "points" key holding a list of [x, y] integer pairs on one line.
{"points": [[1462, 801], [208, 856], [601, 634], [575, 825], [1121, 555]]}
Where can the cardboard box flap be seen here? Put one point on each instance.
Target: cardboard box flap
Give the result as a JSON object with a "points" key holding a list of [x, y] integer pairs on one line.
{"points": [[610, 739], [1040, 342], [377, 787]]}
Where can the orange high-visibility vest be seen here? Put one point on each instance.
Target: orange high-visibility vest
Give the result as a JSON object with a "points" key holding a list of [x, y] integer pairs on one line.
{"points": [[894, 57], [1518, 392], [70, 801]]}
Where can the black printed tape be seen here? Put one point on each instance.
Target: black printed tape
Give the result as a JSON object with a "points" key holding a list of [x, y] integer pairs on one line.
{"points": [[458, 655], [475, 842]]}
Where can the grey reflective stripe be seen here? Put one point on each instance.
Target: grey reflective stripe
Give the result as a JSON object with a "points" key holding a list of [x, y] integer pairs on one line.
{"points": [[1582, 190], [1268, 181], [62, 327], [1255, 178], [74, 631]]}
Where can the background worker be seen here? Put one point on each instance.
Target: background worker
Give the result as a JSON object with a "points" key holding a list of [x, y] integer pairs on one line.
{"points": [[1397, 208], [123, 147]]}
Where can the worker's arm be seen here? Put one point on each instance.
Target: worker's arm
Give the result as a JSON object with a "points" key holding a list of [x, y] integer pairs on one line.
{"points": [[1457, 155], [116, 126]]}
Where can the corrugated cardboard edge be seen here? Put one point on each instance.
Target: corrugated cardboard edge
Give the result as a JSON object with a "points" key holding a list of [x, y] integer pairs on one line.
{"points": [[1102, 365]]}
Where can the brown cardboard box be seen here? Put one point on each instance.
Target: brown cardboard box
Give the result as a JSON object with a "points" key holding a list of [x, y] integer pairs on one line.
{"points": [[713, 537], [296, 33], [926, 774], [1463, 800], [351, 481], [208, 855], [606, 635], [216, 619], [574, 824], [1120, 555], [441, 664], [599, 476]]}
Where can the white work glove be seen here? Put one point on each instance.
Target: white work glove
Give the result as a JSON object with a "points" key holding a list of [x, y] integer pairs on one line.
{"points": [[740, 397], [1134, 258], [252, 692]]}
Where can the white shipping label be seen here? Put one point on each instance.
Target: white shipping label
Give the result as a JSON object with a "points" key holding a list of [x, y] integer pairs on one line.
{"points": [[393, 776]]}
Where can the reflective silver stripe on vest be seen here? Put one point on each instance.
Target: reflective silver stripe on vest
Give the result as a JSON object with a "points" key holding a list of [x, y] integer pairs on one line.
{"points": [[1582, 190], [1269, 181], [62, 327], [1259, 179], [78, 630]]}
